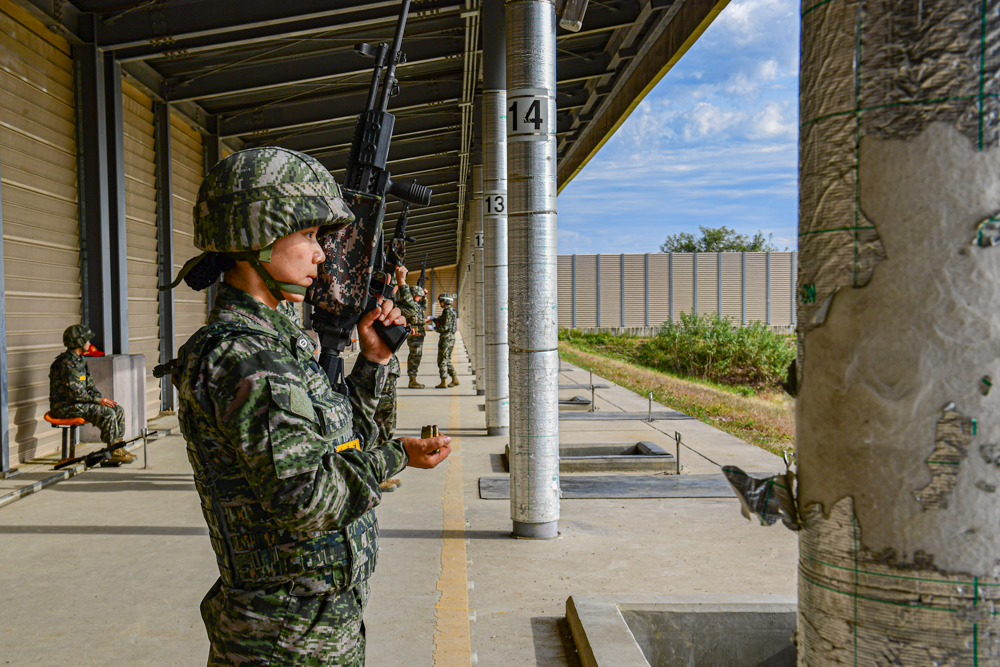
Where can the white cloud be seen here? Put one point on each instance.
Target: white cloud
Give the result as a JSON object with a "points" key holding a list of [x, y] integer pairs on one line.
{"points": [[771, 123], [707, 119]]}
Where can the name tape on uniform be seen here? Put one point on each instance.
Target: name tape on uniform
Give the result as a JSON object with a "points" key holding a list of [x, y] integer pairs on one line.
{"points": [[530, 114]]}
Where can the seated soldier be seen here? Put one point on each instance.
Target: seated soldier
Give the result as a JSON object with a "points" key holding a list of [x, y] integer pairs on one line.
{"points": [[72, 392]]}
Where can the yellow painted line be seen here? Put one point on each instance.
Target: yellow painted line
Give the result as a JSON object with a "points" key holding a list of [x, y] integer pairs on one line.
{"points": [[452, 635]]}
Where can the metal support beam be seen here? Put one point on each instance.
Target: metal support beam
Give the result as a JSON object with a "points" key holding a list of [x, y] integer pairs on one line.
{"points": [[367, 16], [165, 244], [212, 146], [117, 230], [92, 172], [534, 326], [495, 217]]}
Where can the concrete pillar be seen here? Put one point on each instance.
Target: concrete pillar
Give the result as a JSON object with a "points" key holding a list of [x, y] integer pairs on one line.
{"points": [[533, 328], [898, 324], [495, 217], [479, 276]]}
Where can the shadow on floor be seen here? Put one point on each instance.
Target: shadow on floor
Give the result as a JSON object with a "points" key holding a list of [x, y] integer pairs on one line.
{"points": [[104, 530], [416, 534], [553, 642]]}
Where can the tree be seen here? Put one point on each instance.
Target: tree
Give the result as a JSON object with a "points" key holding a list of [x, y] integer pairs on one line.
{"points": [[721, 239]]}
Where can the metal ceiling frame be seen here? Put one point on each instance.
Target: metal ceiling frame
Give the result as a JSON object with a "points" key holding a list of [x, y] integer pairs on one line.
{"points": [[265, 72]]}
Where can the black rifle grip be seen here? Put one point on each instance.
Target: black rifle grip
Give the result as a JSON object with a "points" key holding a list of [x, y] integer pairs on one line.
{"points": [[394, 335]]}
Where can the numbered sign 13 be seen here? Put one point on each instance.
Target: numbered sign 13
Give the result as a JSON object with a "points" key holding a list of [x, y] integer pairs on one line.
{"points": [[494, 204]]}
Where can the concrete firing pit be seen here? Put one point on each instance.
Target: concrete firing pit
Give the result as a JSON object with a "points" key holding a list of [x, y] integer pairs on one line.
{"points": [[644, 456], [683, 631]]}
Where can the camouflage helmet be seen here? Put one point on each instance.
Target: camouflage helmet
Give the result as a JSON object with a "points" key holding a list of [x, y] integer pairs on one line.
{"points": [[254, 197], [77, 336], [446, 298], [417, 290]]}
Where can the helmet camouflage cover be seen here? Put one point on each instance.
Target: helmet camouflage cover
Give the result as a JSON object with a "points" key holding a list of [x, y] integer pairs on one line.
{"points": [[418, 290], [76, 335], [254, 197], [444, 297]]}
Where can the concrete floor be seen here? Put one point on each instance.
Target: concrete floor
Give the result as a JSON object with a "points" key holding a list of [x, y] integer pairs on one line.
{"points": [[108, 568]]}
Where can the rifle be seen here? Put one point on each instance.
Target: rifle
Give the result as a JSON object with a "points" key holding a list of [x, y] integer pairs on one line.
{"points": [[345, 290], [93, 458], [423, 273]]}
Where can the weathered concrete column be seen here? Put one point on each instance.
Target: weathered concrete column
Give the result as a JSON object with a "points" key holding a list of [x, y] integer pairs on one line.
{"points": [[478, 286], [533, 328], [899, 281], [495, 217]]}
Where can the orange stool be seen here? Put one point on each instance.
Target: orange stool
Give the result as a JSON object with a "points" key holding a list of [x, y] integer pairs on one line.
{"points": [[68, 427]]}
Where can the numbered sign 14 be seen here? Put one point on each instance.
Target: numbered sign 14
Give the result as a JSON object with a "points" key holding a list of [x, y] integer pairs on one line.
{"points": [[530, 114]]}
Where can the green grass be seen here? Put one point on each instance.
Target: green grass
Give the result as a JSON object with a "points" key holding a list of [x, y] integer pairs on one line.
{"points": [[766, 420]]}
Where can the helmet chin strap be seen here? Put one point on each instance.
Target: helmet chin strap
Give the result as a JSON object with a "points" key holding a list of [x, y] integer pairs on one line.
{"points": [[257, 259]]}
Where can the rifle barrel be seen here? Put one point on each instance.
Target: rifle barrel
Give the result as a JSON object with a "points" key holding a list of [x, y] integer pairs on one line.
{"points": [[397, 41]]}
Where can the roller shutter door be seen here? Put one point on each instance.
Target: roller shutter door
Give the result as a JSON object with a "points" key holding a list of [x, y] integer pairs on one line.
{"points": [[659, 289], [683, 271], [635, 290], [564, 269], [756, 287], [141, 241], [40, 230], [190, 307], [611, 290]]}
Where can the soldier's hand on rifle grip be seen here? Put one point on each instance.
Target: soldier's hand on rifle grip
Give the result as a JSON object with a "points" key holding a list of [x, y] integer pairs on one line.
{"points": [[373, 348]]}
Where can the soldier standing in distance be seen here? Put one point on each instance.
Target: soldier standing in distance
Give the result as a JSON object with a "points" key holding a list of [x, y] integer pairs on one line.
{"points": [[288, 470], [385, 413], [446, 324], [416, 339], [72, 392]]}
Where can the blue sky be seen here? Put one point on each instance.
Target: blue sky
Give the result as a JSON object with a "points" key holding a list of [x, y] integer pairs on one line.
{"points": [[714, 143]]}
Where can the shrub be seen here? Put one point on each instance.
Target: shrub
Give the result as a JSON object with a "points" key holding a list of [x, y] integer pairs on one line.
{"points": [[717, 349], [703, 346]]}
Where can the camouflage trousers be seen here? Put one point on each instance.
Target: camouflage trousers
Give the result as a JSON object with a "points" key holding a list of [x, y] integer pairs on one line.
{"points": [[385, 413], [111, 421], [445, 346], [416, 344], [271, 627]]}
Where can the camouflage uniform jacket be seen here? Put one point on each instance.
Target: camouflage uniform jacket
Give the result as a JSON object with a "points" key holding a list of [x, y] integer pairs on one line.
{"points": [[447, 321], [263, 428], [412, 309], [70, 382]]}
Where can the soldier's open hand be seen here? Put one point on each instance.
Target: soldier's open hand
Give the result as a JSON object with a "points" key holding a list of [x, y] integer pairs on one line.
{"points": [[108, 403], [426, 452]]}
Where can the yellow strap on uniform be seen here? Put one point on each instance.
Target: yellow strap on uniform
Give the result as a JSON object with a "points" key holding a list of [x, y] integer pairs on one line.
{"points": [[353, 444]]}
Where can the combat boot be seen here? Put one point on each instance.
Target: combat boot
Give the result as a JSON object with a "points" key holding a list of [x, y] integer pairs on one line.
{"points": [[454, 381], [414, 384], [444, 384], [121, 456]]}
